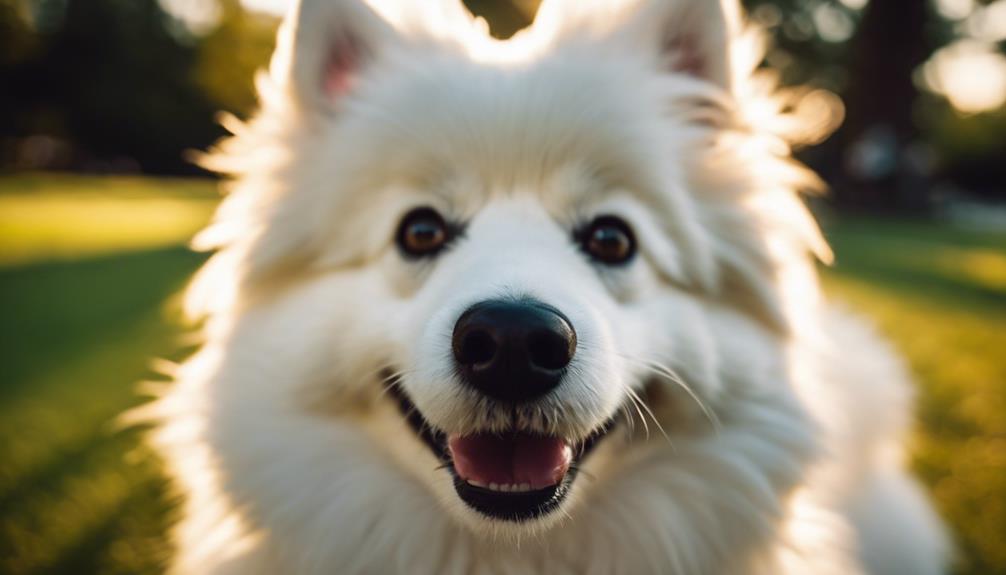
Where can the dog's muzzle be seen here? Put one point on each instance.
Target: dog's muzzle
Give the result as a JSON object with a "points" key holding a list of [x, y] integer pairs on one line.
{"points": [[513, 353]]}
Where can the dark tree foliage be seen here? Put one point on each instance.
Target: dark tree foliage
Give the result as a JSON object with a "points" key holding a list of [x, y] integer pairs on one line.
{"points": [[18, 51], [111, 78]]}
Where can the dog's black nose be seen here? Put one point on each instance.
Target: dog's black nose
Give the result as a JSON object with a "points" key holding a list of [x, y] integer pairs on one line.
{"points": [[513, 350]]}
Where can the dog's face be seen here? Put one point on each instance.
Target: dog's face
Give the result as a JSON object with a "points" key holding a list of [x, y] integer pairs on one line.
{"points": [[532, 325], [499, 269]]}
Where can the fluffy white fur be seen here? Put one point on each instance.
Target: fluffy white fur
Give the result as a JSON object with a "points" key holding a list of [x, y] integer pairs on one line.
{"points": [[770, 436]]}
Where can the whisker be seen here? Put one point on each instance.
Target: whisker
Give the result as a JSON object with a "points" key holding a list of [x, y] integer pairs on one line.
{"points": [[635, 404], [391, 378], [628, 419], [675, 378], [641, 403]]}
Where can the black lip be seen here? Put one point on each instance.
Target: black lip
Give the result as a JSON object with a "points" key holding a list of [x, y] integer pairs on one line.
{"points": [[512, 506]]}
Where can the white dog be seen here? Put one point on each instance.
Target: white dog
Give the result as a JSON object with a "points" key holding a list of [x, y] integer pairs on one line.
{"points": [[538, 306]]}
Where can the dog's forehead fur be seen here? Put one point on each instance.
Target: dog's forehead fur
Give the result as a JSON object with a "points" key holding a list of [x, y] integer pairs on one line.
{"points": [[509, 124]]}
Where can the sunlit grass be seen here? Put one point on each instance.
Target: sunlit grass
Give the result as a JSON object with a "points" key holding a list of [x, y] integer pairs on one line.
{"points": [[44, 217], [83, 317]]}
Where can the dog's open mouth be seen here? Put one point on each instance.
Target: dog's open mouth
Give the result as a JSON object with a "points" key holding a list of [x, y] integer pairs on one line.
{"points": [[513, 476], [517, 462], [516, 476]]}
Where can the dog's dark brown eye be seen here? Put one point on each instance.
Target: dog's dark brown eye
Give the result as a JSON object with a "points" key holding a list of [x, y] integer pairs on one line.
{"points": [[422, 232], [609, 240]]}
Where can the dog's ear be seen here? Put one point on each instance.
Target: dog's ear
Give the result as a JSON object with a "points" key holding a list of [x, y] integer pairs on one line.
{"points": [[325, 46], [687, 36]]}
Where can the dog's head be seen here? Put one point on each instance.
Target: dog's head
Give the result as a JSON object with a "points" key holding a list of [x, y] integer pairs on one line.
{"points": [[516, 266]]}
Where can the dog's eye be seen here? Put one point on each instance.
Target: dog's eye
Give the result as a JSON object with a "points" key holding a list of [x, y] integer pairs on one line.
{"points": [[609, 240], [422, 232]]}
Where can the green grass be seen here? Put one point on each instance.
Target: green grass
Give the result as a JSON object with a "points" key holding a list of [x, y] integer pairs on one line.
{"points": [[88, 298], [44, 217]]}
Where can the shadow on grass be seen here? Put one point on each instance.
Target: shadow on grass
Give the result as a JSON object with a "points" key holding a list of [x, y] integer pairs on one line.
{"points": [[137, 522], [54, 311], [961, 293], [911, 258], [71, 460], [74, 520]]}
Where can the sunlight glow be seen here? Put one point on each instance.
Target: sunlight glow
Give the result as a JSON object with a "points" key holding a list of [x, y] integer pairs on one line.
{"points": [[988, 23], [971, 75], [273, 6], [833, 23], [199, 16], [955, 9], [855, 4]]}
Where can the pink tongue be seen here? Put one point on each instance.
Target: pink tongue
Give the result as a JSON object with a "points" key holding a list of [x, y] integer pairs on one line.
{"points": [[513, 459]]}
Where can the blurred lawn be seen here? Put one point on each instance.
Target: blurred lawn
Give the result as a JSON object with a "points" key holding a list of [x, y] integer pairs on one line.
{"points": [[89, 267], [44, 217]]}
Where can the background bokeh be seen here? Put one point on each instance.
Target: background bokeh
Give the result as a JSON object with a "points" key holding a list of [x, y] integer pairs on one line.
{"points": [[101, 102]]}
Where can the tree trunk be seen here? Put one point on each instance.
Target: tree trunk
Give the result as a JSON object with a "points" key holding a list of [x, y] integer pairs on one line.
{"points": [[890, 44]]}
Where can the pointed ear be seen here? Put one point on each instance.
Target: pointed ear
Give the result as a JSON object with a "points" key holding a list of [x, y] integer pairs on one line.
{"points": [[324, 46], [685, 36]]}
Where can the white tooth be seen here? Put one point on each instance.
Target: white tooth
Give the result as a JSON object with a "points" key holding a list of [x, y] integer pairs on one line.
{"points": [[476, 483], [494, 487], [525, 487]]}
